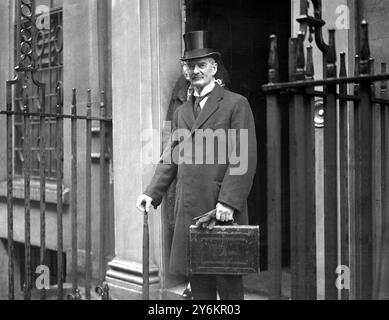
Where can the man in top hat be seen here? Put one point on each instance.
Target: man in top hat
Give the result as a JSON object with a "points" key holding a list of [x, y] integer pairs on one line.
{"points": [[220, 187]]}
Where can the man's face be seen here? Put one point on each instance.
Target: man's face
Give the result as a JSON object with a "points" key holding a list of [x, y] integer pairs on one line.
{"points": [[202, 72]]}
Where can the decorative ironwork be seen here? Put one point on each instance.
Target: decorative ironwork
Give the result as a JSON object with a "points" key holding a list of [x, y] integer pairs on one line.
{"points": [[38, 129], [349, 150], [103, 291], [75, 296], [39, 61], [319, 113], [27, 31], [314, 23]]}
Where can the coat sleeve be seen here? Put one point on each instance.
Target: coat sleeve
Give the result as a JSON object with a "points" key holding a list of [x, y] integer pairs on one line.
{"points": [[166, 170], [242, 151]]}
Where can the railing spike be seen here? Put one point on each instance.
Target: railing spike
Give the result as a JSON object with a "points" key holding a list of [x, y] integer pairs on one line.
{"points": [[372, 66], [343, 68], [365, 49], [300, 61], [74, 97], [292, 58], [310, 71], [89, 97], [357, 61], [25, 98], [343, 73], [331, 56], [273, 60], [102, 99], [59, 94], [357, 69], [372, 72], [384, 84]]}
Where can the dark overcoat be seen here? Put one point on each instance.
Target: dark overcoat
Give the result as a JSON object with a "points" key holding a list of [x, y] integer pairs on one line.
{"points": [[200, 186]]}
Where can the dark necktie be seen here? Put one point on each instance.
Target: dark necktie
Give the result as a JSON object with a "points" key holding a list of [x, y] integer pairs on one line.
{"points": [[196, 105]]}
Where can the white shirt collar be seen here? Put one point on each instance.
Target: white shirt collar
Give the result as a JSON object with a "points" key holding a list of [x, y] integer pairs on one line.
{"points": [[207, 89]]}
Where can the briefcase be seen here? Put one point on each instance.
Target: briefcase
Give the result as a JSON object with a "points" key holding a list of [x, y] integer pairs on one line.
{"points": [[225, 250]]}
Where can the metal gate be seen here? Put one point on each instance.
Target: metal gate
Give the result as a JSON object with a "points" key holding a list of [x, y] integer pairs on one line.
{"points": [[356, 167], [26, 83]]}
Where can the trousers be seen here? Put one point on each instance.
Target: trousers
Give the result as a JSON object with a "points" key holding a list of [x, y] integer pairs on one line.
{"points": [[206, 287]]}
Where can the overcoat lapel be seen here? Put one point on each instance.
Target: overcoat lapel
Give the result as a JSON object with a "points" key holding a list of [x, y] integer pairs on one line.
{"points": [[209, 109], [187, 114]]}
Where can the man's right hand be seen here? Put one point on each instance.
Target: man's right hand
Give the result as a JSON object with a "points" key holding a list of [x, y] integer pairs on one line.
{"points": [[207, 221], [144, 203]]}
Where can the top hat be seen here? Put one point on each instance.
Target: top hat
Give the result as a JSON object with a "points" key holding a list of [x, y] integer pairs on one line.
{"points": [[197, 46]]}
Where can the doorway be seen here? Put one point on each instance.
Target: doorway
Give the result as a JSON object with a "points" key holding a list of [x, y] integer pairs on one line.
{"points": [[240, 30]]}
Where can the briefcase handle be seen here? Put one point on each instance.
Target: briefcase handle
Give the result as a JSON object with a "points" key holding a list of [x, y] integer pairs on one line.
{"points": [[217, 223]]}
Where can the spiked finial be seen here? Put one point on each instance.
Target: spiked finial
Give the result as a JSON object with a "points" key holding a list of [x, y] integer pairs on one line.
{"points": [[292, 58], [74, 102], [365, 49], [273, 60], [89, 103], [102, 99], [343, 69], [371, 66], [343, 73], [102, 105], [357, 61], [300, 62], [74, 97], [59, 93], [310, 71], [331, 56], [357, 72], [89, 98], [384, 83], [372, 72], [25, 98]]}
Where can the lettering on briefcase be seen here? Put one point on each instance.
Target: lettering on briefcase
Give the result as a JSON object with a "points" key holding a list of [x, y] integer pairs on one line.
{"points": [[232, 250]]}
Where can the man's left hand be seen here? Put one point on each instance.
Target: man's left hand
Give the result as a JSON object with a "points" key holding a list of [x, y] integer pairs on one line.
{"points": [[224, 213]]}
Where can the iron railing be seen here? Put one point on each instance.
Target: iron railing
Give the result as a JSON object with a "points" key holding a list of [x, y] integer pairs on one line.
{"points": [[26, 79], [105, 125], [362, 173]]}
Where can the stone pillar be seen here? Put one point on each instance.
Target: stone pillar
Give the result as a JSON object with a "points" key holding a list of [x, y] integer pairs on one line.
{"points": [[6, 63], [146, 46], [82, 69]]}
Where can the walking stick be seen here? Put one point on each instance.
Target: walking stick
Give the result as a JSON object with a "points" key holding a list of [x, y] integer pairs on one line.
{"points": [[146, 256]]}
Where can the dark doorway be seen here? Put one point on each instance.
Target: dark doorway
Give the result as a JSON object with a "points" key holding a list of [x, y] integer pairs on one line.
{"points": [[240, 30]]}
